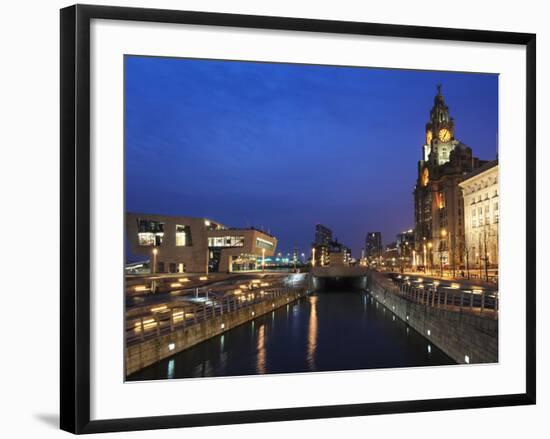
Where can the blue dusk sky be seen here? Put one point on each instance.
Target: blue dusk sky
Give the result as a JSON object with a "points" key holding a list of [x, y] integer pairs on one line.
{"points": [[283, 147]]}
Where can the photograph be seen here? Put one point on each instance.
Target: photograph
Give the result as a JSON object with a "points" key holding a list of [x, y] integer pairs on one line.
{"points": [[295, 218]]}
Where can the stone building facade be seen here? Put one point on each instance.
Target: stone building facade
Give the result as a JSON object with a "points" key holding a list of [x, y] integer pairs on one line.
{"points": [[438, 203], [481, 216]]}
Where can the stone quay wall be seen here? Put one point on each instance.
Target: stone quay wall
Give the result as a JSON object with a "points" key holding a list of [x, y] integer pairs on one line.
{"points": [[148, 352], [465, 337]]}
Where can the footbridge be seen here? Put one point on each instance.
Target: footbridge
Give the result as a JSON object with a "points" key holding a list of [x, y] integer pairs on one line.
{"points": [[338, 277]]}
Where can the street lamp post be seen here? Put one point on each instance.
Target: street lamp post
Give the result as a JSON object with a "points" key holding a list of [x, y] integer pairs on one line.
{"points": [[443, 235], [154, 267], [424, 264], [451, 253], [485, 255], [313, 257], [430, 256], [467, 258]]}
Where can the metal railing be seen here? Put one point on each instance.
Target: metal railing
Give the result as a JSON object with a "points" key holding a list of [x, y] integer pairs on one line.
{"points": [[478, 302], [165, 318], [452, 298]]}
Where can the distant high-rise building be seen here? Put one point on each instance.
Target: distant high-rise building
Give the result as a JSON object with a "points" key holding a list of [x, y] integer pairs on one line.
{"points": [[323, 235], [295, 255], [373, 244], [328, 251], [405, 243], [338, 253]]}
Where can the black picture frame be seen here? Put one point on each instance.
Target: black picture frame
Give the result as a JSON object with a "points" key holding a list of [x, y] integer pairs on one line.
{"points": [[75, 217]]}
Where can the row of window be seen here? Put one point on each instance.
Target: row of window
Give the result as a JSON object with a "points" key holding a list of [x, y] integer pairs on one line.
{"points": [[226, 241], [482, 215], [151, 234], [480, 210], [263, 243], [480, 198]]}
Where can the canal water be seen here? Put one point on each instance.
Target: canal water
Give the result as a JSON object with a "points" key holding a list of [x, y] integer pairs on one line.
{"points": [[326, 331]]}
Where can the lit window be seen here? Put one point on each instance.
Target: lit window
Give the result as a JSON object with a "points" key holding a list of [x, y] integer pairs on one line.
{"points": [[146, 239], [183, 236], [226, 241], [262, 243], [150, 233]]}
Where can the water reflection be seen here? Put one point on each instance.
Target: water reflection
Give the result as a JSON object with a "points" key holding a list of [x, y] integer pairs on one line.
{"points": [[260, 348], [321, 332], [312, 333], [170, 371]]}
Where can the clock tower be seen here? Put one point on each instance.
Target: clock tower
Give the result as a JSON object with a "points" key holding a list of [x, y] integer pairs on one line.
{"points": [[438, 202], [440, 140]]}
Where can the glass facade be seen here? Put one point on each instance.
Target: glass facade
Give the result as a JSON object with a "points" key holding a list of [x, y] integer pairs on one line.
{"points": [[226, 241], [244, 263], [150, 233]]}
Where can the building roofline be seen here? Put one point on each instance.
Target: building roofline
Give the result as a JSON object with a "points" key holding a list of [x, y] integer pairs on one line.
{"points": [[485, 167], [203, 218]]}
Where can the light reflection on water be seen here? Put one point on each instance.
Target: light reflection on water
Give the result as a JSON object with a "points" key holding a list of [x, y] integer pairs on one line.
{"points": [[260, 365], [170, 372], [312, 332], [321, 332]]}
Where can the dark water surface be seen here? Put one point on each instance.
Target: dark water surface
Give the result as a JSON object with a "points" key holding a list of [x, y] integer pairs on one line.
{"points": [[327, 331]]}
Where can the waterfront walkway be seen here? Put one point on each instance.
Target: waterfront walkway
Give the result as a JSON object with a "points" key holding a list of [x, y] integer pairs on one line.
{"points": [[464, 296], [151, 315]]}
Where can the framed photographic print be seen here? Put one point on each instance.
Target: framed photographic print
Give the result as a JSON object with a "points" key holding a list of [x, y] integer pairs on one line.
{"points": [[269, 218]]}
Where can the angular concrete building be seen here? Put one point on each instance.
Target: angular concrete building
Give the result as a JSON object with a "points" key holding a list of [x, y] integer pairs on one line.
{"points": [[178, 244]]}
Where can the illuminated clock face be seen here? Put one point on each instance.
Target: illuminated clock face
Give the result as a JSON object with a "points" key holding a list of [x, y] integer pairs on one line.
{"points": [[429, 137], [425, 177], [444, 135]]}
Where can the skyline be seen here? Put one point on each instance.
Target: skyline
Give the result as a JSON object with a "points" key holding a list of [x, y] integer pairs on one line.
{"points": [[283, 147]]}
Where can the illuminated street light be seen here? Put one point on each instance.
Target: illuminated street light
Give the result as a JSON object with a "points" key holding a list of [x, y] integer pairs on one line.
{"points": [[443, 235], [313, 257], [430, 245], [154, 267], [424, 248]]}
